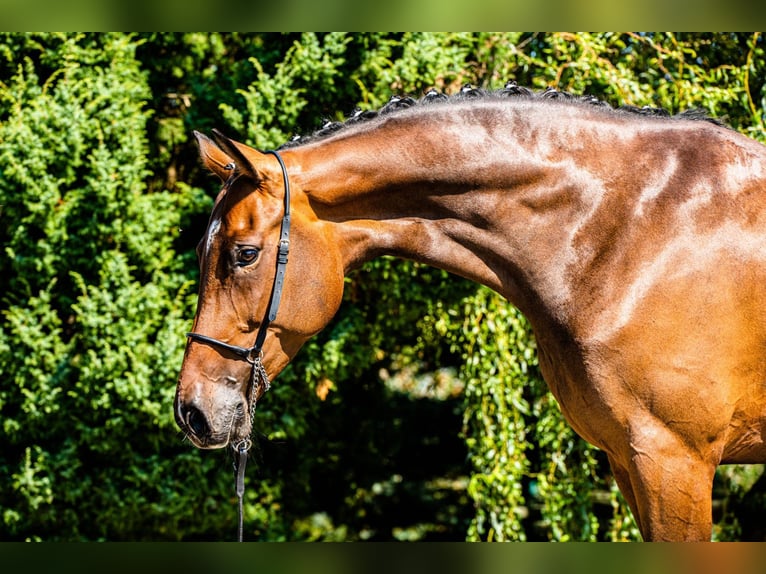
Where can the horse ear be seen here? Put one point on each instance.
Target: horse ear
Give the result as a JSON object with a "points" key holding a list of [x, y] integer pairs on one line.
{"points": [[236, 151], [213, 158], [224, 156]]}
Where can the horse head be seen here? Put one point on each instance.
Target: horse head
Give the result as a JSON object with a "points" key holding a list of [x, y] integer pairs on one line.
{"points": [[254, 310]]}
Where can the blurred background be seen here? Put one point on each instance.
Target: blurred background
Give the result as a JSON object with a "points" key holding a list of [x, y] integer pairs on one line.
{"points": [[418, 414], [192, 15]]}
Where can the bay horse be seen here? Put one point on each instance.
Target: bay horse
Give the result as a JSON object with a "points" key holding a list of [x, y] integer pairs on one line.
{"points": [[634, 243]]}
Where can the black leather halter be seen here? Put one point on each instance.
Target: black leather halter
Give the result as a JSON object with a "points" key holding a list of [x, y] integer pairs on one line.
{"points": [[254, 354]]}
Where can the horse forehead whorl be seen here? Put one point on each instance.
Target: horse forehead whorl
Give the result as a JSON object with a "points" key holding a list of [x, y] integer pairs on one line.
{"points": [[468, 94]]}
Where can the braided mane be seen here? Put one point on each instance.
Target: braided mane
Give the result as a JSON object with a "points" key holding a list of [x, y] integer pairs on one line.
{"points": [[469, 92]]}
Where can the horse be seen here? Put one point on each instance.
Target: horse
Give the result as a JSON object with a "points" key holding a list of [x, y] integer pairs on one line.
{"points": [[633, 241]]}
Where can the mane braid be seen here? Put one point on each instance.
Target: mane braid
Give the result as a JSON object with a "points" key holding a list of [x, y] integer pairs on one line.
{"points": [[510, 90]]}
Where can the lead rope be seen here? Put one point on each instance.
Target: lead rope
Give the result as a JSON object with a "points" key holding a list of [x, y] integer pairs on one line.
{"points": [[240, 462]]}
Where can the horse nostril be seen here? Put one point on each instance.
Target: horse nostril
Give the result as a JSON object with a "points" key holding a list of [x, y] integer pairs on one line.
{"points": [[196, 422]]}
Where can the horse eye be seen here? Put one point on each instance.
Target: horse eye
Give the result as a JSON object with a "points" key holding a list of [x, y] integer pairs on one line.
{"points": [[247, 255]]}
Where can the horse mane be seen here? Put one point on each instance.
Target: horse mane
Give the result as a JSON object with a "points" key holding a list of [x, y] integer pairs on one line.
{"points": [[510, 90]]}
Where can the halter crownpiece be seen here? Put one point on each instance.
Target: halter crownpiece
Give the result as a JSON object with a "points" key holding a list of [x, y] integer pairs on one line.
{"points": [[254, 354]]}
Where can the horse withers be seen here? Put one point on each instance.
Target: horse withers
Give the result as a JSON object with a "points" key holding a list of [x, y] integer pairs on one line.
{"points": [[634, 243]]}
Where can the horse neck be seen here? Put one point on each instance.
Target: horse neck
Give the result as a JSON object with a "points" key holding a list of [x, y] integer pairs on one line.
{"points": [[461, 190]]}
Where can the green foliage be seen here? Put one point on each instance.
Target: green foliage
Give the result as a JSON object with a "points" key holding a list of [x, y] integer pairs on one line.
{"points": [[499, 367], [419, 413], [277, 99], [93, 300]]}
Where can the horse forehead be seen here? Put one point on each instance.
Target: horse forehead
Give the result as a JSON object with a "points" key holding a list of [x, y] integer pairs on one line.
{"points": [[242, 214], [222, 224]]}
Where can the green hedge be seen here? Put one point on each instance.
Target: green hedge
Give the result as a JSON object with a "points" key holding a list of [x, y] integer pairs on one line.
{"points": [[419, 413]]}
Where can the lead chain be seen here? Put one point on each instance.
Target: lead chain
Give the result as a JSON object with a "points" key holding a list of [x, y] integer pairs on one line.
{"points": [[240, 462], [259, 377]]}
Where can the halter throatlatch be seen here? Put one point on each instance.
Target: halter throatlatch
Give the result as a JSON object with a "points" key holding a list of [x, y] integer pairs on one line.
{"points": [[254, 355]]}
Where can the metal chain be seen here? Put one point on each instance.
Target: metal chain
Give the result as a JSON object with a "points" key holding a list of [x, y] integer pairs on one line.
{"points": [[259, 377]]}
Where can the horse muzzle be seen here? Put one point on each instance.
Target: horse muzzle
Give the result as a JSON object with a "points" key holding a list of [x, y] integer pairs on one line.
{"points": [[215, 421]]}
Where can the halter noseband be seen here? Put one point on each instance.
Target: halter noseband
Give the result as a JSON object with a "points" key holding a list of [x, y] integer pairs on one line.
{"points": [[254, 354]]}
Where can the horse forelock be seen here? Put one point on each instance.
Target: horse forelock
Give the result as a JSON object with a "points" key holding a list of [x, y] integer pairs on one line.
{"points": [[511, 91]]}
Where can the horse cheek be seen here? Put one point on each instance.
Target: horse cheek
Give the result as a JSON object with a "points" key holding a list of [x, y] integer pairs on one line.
{"points": [[318, 285]]}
